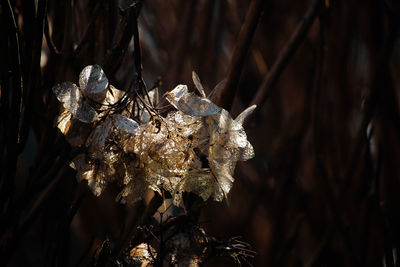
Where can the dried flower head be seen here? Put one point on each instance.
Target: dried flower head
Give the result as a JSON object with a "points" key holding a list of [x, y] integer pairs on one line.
{"points": [[192, 149]]}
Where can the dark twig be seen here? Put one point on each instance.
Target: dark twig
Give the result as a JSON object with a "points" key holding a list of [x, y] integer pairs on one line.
{"points": [[19, 232], [225, 97], [183, 35], [52, 47], [325, 177], [85, 252], [371, 101], [34, 75], [122, 38], [136, 235], [284, 57], [137, 53], [89, 29], [12, 90]]}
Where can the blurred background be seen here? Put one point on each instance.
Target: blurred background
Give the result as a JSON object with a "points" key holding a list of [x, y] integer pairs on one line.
{"points": [[324, 187]]}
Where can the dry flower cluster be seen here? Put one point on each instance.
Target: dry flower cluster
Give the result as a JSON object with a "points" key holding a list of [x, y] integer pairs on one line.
{"points": [[191, 149]]}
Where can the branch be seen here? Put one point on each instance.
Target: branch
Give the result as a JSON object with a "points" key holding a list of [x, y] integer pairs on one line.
{"points": [[225, 97], [51, 45], [17, 232], [184, 33], [90, 27], [34, 74], [122, 38], [372, 97], [284, 57], [12, 86], [136, 236]]}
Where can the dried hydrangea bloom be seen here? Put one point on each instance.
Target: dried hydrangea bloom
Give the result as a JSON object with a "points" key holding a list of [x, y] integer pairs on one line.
{"points": [[167, 155], [227, 140], [193, 149], [81, 104]]}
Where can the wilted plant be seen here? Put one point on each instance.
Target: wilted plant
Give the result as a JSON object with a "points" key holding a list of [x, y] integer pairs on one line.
{"points": [[125, 139]]}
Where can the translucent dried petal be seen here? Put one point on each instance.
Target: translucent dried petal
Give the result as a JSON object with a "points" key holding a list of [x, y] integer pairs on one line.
{"points": [[97, 172], [71, 97], [165, 154], [244, 114], [197, 84], [223, 174], [217, 89], [118, 123], [75, 131], [228, 144], [85, 171], [124, 124], [153, 94], [231, 135], [198, 181], [85, 113], [145, 116], [97, 139], [190, 104], [64, 121], [188, 126], [68, 94], [93, 83], [113, 95]]}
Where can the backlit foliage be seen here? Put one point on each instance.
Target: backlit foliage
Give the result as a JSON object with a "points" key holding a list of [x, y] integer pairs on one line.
{"points": [[193, 148]]}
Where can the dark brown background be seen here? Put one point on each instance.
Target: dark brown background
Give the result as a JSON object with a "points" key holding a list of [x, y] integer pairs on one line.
{"points": [[323, 189]]}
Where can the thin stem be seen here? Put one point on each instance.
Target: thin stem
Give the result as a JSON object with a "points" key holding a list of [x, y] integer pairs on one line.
{"points": [[286, 54], [225, 97]]}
